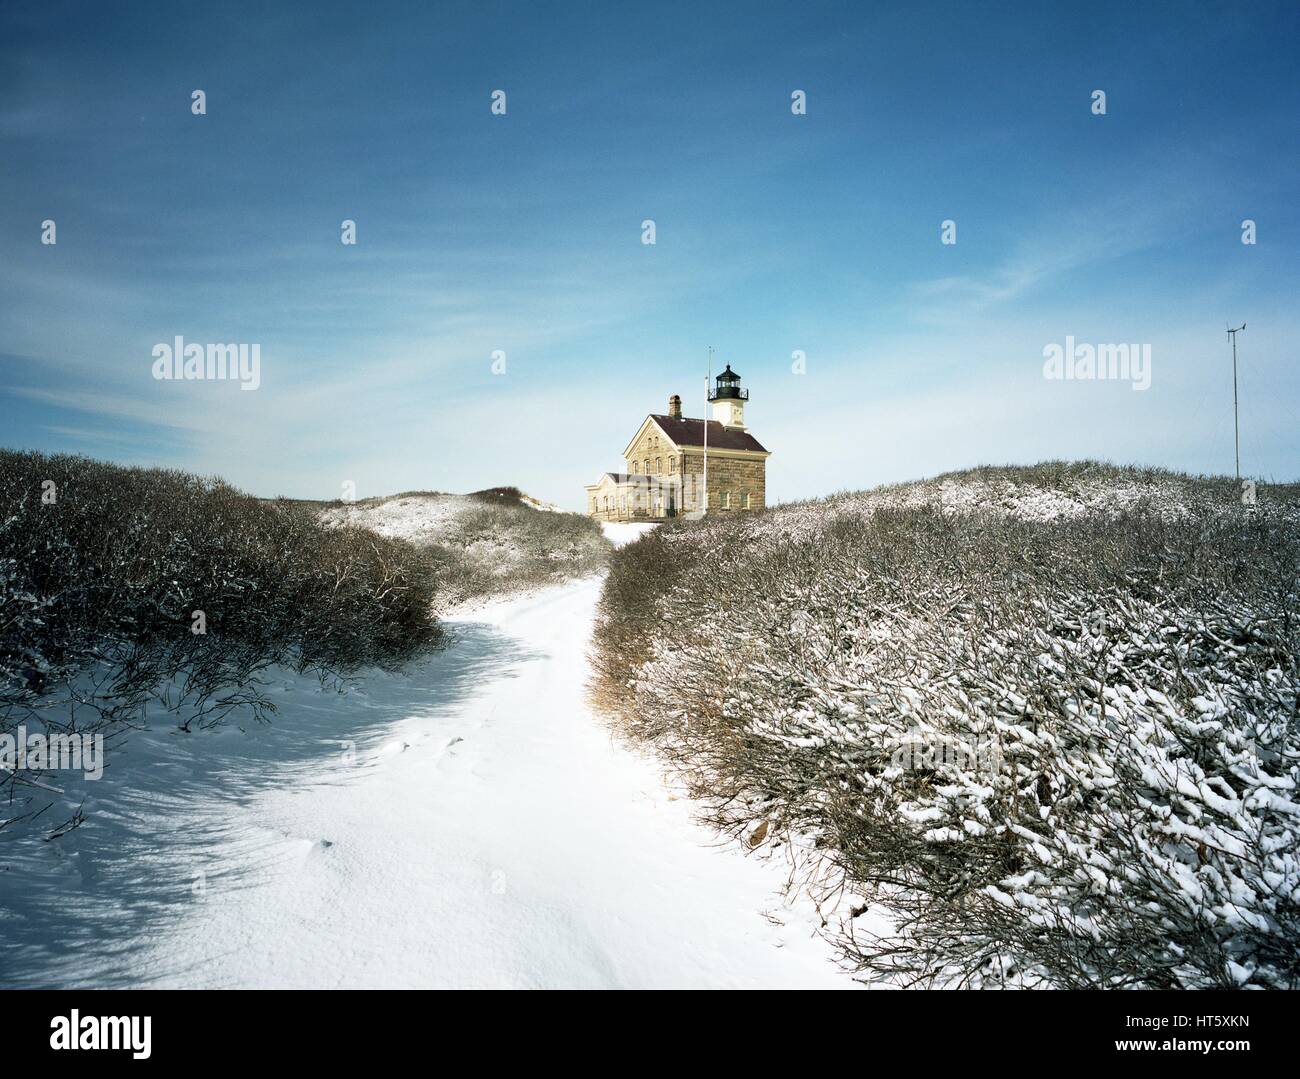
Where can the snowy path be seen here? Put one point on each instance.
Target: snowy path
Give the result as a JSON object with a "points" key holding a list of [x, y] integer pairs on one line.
{"points": [[493, 836]]}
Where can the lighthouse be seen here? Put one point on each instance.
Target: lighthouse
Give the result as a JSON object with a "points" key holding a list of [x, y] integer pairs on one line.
{"points": [[728, 400], [676, 464]]}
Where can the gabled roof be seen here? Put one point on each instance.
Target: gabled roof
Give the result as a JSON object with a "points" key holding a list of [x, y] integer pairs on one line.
{"points": [[691, 433]]}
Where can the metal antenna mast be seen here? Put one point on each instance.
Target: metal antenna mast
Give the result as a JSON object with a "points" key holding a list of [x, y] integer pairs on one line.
{"points": [[1236, 431], [704, 508]]}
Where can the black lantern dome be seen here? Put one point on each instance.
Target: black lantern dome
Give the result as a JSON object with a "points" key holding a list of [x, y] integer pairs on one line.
{"points": [[728, 386]]}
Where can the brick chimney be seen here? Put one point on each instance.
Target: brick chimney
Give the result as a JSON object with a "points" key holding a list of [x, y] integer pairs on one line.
{"points": [[674, 407]]}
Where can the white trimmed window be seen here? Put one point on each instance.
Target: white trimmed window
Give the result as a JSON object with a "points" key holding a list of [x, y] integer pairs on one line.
{"points": [[726, 500]]}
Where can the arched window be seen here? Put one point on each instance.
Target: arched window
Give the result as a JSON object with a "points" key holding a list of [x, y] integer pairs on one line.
{"points": [[672, 466], [746, 500], [607, 503], [659, 466], [635, 467], [726, 500]]}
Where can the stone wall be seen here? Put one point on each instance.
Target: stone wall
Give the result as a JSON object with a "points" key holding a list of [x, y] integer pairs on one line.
{"points": [[730, 479], [649, 449], [734, 476]]}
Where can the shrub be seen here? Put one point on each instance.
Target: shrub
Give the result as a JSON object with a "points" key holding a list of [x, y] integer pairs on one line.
{"points": [[1132, 675], [100, 584], [487, 543], [499, 494]]}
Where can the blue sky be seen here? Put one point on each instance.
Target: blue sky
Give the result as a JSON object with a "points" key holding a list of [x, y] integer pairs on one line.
{"points": [[522, 233]]}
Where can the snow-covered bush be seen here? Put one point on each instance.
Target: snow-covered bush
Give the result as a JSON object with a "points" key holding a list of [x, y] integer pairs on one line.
{"points": [[483, 544], [1061, 748], [119, 584]]}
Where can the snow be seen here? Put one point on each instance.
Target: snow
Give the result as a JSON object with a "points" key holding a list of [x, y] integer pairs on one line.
{"points": [[468, 823], [488, 546], [409, 517], [422, 518], [622, 532], [538, 504]]}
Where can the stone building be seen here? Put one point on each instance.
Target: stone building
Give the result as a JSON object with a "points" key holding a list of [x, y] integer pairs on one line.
{"points": [[666, 463]]}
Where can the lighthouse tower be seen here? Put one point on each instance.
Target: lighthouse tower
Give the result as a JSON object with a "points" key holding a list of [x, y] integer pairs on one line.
{"points": [[728, 400]]}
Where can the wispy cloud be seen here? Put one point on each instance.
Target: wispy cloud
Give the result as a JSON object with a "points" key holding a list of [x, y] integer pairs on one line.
{"points": [[1144, 217]]}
